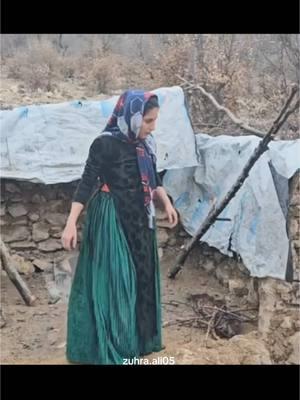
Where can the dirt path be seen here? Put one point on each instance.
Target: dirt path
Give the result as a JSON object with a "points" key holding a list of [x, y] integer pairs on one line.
{"points": [[36, 335]]}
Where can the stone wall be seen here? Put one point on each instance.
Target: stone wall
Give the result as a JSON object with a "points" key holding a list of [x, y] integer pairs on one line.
{"points": [[32, 220], [279, 301]]}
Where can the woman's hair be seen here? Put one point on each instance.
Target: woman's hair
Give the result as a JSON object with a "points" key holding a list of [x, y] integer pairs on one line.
{"points": [[151, 103]]}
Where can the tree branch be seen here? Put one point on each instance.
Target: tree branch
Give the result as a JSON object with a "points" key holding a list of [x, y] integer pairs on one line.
{"points": [[236, 120]]}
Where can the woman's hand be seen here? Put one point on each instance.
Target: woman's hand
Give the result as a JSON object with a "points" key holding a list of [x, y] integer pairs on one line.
{"points": [[69, 236], [161, 195], [172, 215]]}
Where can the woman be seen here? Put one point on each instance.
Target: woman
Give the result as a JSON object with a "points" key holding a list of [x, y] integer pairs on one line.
{"points": [[114, 306]]}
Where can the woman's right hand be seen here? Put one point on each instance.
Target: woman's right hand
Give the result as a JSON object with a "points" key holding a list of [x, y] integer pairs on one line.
{"points": [[69, 236]]}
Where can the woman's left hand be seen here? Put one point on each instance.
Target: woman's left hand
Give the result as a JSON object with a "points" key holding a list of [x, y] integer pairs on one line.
{"points": [[172, 215]]}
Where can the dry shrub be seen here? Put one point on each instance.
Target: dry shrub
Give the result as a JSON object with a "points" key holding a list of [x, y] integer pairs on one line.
{"points": [[39, 65], [100, 74], [138, 75], [69, 66], [172, 60], [109, 72], [103, 74]]}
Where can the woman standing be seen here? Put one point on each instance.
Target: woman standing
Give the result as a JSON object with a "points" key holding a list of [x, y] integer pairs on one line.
{"points": [[114, 306]]}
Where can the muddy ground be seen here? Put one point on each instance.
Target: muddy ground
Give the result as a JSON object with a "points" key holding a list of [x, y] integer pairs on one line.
{"points": [[36, 335]]}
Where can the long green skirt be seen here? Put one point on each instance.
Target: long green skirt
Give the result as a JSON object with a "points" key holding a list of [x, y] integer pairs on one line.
{"points": [[102, 320]]}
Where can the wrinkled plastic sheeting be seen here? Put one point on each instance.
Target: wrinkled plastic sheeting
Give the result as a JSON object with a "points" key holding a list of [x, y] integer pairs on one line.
{"points": [[50, 143], [256, 229]]}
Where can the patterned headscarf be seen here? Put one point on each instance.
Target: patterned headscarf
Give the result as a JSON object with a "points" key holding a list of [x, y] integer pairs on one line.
{"points": [[125, 124]]}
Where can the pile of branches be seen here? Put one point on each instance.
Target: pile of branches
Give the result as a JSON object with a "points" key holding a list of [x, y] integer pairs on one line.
{"points": [[219, 320]]}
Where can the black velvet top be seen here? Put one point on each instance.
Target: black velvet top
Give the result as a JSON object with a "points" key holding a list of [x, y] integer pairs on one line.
{"points": [[115, 163]]}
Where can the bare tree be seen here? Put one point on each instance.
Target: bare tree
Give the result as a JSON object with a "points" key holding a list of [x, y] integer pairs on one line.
{"points": [[60, 45], [290, 47], [107, 42]]}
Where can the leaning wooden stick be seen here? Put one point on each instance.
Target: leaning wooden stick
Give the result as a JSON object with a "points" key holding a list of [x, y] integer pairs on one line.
{"points": [[15, 277], [215, 211]]}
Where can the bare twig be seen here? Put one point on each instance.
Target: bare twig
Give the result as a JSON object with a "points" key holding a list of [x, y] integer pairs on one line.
{"points": [[210, 325], [245, 309], [209, 125], [214, 213], [183, 321], [227, 312], [2, 319], [213, 334], [175, 303], [230, 114]]}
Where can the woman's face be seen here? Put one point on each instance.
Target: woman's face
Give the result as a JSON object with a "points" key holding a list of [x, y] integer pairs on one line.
{"points": [[148, 124]]}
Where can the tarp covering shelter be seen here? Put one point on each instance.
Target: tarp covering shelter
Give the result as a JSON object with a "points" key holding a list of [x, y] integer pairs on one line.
{"points": [[49, 144]]}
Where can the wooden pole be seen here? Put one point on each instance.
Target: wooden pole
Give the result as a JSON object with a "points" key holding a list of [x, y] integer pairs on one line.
{"points": [[14, 276]]}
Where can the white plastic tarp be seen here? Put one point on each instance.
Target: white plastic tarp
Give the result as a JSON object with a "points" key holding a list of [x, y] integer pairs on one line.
{"points": [[50, 143], [256, 229]]}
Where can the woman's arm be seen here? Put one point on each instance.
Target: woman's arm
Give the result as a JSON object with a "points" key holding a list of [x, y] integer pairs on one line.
{"points": [[76, 209], [69, 234], [87, 182], [82, 195], [161, 194]]}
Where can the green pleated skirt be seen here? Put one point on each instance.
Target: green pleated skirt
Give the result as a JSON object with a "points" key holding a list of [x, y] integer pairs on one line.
{"points": [[102, 326]]}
